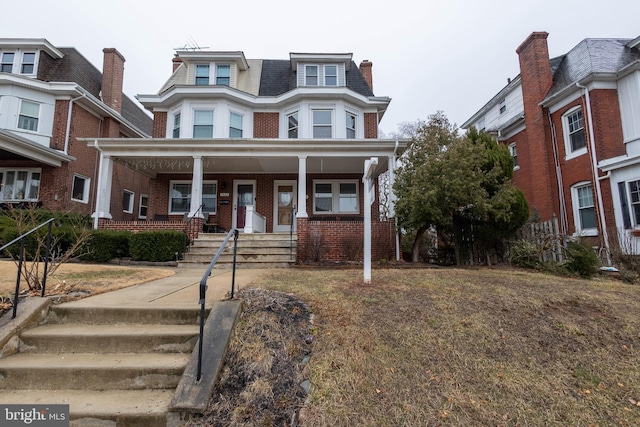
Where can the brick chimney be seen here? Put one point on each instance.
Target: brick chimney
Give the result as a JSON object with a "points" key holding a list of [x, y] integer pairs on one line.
{"points": [[176, 62], [112, 78], [365, 69], [536, 78]]}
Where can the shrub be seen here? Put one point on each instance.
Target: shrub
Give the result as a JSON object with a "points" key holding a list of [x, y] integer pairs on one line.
{"points": [[156, 246], [352, 246], [581, 259], [106, 245], [317, 247], [525, 254]]}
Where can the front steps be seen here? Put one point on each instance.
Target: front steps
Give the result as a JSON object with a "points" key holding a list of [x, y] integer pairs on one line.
{"points": [[113, 366], [255, 250]]}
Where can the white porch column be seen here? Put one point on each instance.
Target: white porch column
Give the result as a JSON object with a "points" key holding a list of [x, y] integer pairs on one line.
{"points": [[392, 199], [302, 187], [196, 188], [103, 196]]}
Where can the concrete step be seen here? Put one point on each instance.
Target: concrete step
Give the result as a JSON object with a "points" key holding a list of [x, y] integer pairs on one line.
{"points": [[65, 313], [116, 408], [188, 263], [81, 338], [243, 237], [199, 249], [91, 371], [241, 257]]}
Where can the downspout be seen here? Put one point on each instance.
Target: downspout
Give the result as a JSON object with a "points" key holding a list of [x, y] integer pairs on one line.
{"points": [[393, 199], [95, 216], [594, 166], [68, 131], [563, 207]]}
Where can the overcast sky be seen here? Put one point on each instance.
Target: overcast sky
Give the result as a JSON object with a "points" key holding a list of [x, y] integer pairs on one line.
{"points": [[428, 56]]}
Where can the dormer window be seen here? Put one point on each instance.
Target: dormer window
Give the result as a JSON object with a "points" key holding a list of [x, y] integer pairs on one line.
{"points": [[202, 74], [330, 75], [28, 63], [311, 75], [223, 75], [503, 106], [7, 62]]}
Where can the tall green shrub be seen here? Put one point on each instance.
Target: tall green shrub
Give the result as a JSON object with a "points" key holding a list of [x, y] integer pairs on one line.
{"points": [[106, 245], [156, 246]]}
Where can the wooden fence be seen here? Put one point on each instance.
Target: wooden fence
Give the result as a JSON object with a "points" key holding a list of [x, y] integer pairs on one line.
{"points": [[547, 236]]}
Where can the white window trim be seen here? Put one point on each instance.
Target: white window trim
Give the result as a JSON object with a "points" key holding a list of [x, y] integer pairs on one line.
{"points": [[193, 119], [128, 209], [195, 73], [216, 73], [143, 205], [18, 128], [512, 147], [331, 109], [324, 75], [335, 196], [87, 184], [502, 104], [242, 116], [356, 114], [188, 181], [576, 210], [627, 189], [567, 139], [318, 76], [30, 172]]}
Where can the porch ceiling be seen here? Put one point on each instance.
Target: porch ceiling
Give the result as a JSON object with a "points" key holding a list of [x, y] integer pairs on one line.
{"points": [[14, 147]]}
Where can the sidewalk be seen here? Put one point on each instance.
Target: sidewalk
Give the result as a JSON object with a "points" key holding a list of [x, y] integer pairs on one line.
{"points": [[180, 290]]}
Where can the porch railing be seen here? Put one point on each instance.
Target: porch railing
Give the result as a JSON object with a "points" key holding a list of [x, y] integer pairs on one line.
{"points": [[254, 222], [203, 289], [189, 228], [22, 239]]}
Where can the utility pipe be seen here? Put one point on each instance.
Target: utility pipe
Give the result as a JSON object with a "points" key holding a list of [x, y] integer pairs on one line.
{"points": [[68, 131]]}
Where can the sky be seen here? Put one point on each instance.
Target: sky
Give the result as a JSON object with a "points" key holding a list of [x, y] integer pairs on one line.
{"points": [[428, 56]]}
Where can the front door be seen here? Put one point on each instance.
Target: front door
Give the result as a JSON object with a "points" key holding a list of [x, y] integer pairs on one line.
{"points": [[243, 196], [284, 206]]}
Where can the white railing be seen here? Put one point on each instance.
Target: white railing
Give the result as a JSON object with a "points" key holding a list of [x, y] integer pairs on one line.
{"points": [[254, 222]]}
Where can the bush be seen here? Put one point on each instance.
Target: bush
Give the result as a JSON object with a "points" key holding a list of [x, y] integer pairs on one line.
{"points": [[106, 245], [156, 246], [525, 254], [352, 245], [581, 259]]}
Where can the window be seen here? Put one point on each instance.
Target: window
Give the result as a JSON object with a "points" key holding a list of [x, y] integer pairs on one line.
{"points": [[575, 139], [634, 193], [28, 118], [235, 126], [6, 66], [127, 201], [292, 125], [223, 75], [503, 106], [180, 198], [351, 125], [311, 75], [584, 209], [202, 74], [331, 75], [28, 63], [19, 185], [80, 188], [203, 124], [514, 155], [176, 125], [335, 197], [322, 127], [144, 203]]}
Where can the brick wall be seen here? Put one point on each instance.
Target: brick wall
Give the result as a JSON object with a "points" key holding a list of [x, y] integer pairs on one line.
{"points": [[371, 125], [160, 124], [266, 125]]}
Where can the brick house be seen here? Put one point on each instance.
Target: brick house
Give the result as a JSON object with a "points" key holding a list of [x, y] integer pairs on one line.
{"points": [[572, 125], [269, 146], [49, 97]]}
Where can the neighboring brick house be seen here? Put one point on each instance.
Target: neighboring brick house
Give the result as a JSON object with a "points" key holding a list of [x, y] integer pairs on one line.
{"points": [[49, 97], [262, 146], [572, 124]]}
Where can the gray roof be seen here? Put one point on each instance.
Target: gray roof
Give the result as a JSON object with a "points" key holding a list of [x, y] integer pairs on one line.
{"points": [[278, 78], [591, 56]]}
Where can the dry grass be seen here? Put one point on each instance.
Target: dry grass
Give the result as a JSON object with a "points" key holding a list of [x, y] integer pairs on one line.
{"points": [[469, 347]]}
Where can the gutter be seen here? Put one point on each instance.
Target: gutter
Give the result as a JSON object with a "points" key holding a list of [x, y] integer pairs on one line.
{"points": [[66, 137]]}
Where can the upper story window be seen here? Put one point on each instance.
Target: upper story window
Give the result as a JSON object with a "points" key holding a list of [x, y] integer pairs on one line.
{"points": [[235, 125], [351, 125], [331, 75], [223, 75], [28, 63], [176, 125], [202, 74], [80, 188], [28, 118], [19, 185], [203, 124], [322, 75], [514, 155], [503, 106], [322, 124], [292, 125], [311, 75], [6, 66], [584, 211], [574, 134]]}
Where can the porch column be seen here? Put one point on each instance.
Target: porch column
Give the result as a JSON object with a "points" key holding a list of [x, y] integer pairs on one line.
{"points": [[103, 196], [302, 187], [196, 188], [392, 199]]}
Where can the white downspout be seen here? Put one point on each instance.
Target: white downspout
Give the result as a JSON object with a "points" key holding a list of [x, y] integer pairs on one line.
{"points": [[95, 216], [392, 196], [594, 161], [68, 131]]}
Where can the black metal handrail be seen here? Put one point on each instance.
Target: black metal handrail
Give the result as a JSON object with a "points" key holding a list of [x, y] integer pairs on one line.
{"points": [[293, 218], [188, 228], [46, 260], [203, 288]]}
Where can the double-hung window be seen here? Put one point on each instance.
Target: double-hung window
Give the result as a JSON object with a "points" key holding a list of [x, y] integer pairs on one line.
{"points": [[203, 124], [292, 125], [28, 118], [19, 185], [176, 125], [351, 125], [502, 106], [584, 209], [127, 201], [6, 66], [28, 63], [311, 75], [331, 75], [630, 205], [202, 74], [514, 155], [144, 204], [335, 197], [575, 138], [322, 124], [80, 188], [223, 75], [235, 125], [180, 198]]}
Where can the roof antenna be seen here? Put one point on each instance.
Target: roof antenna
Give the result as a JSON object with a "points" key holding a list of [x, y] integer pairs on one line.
{"points": [[191, 45]]}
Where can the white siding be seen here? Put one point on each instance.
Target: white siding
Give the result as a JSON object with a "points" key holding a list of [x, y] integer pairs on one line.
{"points": [[10, 98], [629, 96]]}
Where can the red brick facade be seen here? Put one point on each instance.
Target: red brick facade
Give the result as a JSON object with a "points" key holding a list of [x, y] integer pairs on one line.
{"points": [[266, 125]]}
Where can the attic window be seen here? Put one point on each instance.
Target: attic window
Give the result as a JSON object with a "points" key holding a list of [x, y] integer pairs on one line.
{"points": [[7, 62], [28, 63], [202, 74], [223, 75], [311, 75], [503, 106]]}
